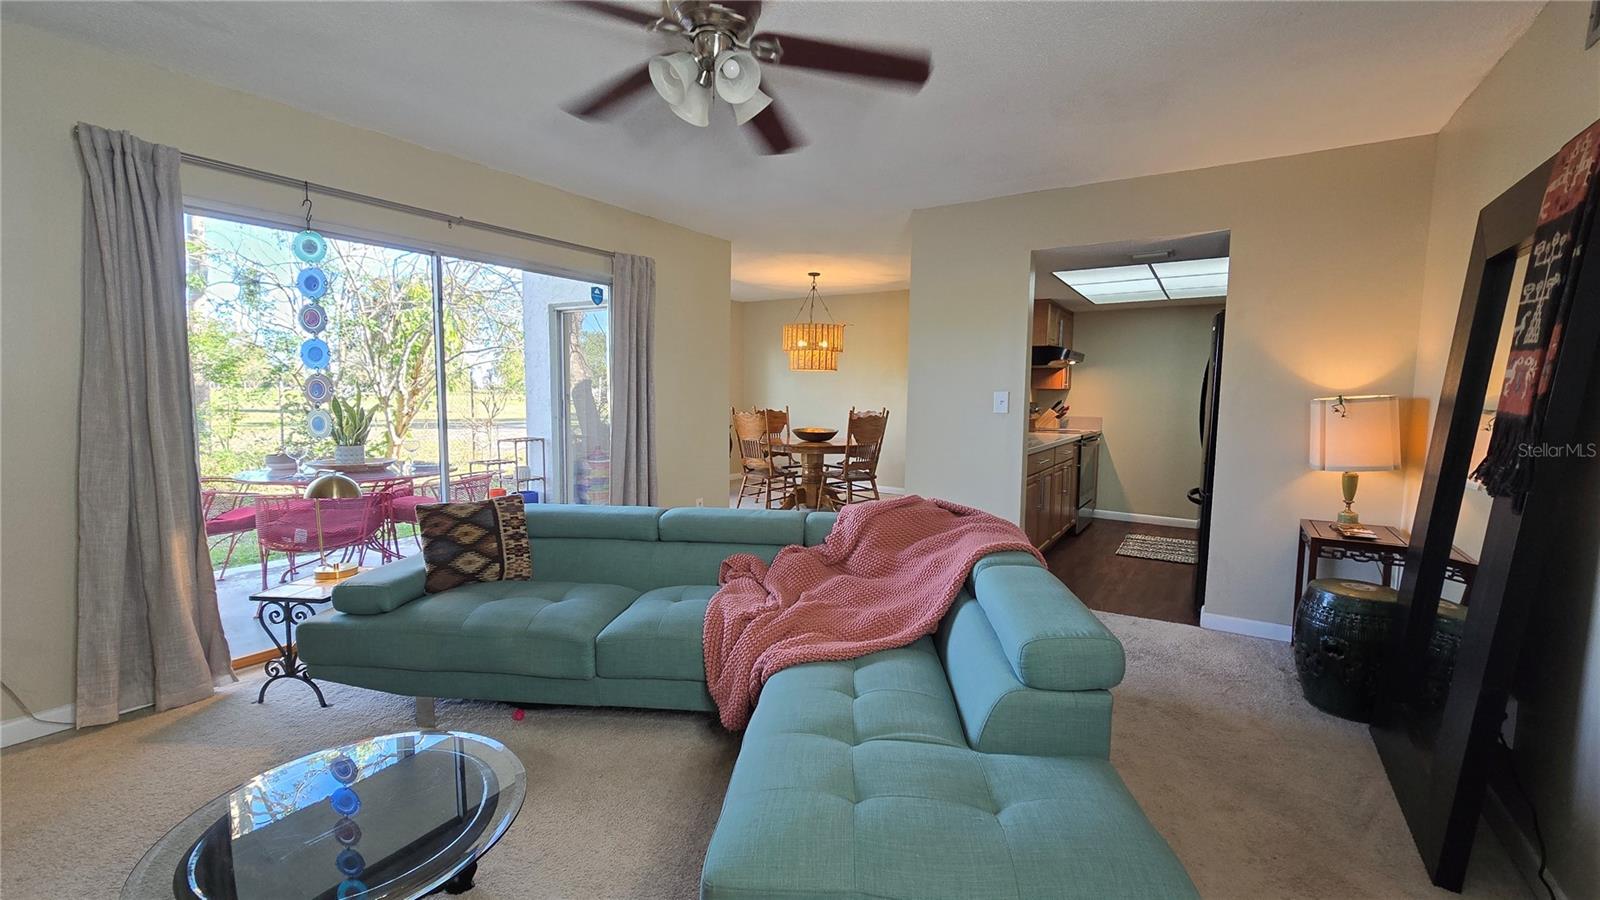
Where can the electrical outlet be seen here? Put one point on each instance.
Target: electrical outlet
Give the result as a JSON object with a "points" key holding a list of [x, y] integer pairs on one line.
{"points": [[700, 501], [1002, 402]]}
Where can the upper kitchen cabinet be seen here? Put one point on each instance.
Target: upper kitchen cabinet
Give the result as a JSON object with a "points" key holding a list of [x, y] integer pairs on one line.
{"points": [[1052, 325]]}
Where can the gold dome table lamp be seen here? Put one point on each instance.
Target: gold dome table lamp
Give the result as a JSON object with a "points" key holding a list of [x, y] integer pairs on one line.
{"points": [[331, 486]]}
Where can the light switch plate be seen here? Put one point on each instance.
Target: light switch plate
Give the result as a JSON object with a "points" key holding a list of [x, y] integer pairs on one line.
{"points": [[1002, 402]]}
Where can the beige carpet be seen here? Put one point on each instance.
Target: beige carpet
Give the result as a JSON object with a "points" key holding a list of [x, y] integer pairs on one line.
{"points": [[1260, 795]]}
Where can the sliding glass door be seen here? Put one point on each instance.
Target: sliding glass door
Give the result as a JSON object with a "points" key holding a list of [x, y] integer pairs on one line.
{"points": [[477, 376], [584, 335]]}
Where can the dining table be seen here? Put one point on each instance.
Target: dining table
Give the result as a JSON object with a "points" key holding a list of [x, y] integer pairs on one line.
{"points": [[303, 477], [813, 455]]}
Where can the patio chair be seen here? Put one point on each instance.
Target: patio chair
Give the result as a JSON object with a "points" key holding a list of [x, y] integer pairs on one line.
{"points": [[229, 514], [403, 505], [289, 525]]}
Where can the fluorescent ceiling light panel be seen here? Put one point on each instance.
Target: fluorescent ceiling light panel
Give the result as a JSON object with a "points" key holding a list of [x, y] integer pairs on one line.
{"points": [[1122, 291], [1187, 286], [1181, 280], [1077, 277], [1214, 266]]}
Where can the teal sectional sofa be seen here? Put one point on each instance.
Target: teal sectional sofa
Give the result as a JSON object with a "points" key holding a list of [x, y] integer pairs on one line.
{"points": [[972, 763]]}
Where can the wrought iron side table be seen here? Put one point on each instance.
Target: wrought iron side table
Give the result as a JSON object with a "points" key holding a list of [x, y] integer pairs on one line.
{"points": [[286, 606]]}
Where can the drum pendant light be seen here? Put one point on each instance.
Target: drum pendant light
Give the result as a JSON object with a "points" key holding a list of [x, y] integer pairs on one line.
{"points": [[813, 346]]}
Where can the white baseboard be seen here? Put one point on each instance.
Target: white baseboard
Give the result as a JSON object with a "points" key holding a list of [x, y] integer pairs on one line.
{"points": [[26, 728], [1519, 845], [1112, 515], [1272, 631]]}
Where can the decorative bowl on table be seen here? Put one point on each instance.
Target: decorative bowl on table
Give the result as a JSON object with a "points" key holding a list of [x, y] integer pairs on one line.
{"points": [[815, 435], [366, 465]]}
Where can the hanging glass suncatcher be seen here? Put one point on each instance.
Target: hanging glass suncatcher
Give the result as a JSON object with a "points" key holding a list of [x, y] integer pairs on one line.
{"points": [[312, 282]]}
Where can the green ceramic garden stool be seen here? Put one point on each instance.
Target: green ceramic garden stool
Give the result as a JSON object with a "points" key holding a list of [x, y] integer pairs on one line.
{"points": [[1339, 638]]}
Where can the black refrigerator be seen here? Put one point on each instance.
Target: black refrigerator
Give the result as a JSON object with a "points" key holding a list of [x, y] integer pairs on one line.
{"points": [[1201, 496]]}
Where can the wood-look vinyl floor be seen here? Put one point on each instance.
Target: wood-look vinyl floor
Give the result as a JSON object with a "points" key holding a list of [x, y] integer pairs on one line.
{"points": [[1148, 588]]}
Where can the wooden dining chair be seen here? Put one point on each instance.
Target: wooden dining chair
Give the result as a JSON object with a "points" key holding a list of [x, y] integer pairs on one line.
{"points": [[863, 445], [778, 432], [763, 473]]}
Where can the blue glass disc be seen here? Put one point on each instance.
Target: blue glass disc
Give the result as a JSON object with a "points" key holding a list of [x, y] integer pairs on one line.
{"points": [[343, 769], [319, 423], [351, 888], [314, 353], [345, 801], [310, 247], [312, 282], [350, 863]]}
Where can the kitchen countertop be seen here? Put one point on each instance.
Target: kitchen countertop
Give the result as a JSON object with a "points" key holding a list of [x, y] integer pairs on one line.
{"points": [[1044, 440]]}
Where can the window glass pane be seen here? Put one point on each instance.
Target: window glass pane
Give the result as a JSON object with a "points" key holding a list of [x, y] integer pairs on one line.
{"points": [[512, 363], [257, 345], [587, 432]]}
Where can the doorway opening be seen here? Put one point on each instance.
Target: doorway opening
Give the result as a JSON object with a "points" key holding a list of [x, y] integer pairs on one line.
{"points": [[1125, 357]]}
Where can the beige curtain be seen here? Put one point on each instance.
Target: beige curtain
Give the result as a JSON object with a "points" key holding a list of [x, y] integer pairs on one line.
{"points": [[633, 400], [148, 626]]}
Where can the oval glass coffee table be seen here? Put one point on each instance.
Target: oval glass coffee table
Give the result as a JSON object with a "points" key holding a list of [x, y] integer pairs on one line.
{"points": [[399, 816]]}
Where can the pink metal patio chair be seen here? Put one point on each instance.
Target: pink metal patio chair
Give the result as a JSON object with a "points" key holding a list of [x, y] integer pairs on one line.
{"points": [[349, 527], [229, 514], [467, 488]]}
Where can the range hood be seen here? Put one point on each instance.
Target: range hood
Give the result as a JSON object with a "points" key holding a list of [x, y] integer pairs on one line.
{"points": [[1047, 357]]}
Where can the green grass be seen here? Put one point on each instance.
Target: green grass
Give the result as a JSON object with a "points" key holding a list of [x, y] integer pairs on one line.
{"points": [[248, 552]]}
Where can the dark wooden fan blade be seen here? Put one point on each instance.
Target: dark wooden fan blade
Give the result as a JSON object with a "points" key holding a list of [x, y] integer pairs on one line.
{"points": [[617, 11], [772, 126], [604, 99], [851, 59]]}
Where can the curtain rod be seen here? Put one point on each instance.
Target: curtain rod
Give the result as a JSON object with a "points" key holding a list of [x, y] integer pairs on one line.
{"points": [[329, 191]]}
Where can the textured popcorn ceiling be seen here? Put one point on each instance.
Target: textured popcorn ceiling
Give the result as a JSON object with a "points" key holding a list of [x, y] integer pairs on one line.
{"points": [[1024, 96]]}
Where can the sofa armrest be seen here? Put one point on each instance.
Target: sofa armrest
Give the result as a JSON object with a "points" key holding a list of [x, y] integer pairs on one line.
{"points": [[1000, 714], [1051, 639], [381, 590]]}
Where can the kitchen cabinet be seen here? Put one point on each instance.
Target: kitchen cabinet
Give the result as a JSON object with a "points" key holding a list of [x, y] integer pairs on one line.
{"points": [[1052, 325], [1050, 505]]}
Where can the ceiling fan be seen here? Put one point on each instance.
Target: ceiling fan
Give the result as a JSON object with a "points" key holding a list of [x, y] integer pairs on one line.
{"points": [[724, 60]]}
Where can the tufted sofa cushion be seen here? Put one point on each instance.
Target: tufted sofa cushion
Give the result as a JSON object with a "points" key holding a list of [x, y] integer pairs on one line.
{"points": [[537, 628], [855, 781], [659, 636]]}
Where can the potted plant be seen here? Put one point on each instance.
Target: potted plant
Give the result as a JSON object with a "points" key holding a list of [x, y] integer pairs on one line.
{"points": [[351, 424]]}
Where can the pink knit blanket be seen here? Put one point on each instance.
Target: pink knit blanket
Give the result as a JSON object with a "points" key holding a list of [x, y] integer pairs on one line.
{"points": [[884, 577]]}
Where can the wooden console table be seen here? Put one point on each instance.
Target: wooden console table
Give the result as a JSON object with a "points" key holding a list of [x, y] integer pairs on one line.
{"points": [[1319, 541]]}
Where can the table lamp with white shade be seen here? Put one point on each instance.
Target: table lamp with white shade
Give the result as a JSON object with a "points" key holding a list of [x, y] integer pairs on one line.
{"points": [[1353, 434]]}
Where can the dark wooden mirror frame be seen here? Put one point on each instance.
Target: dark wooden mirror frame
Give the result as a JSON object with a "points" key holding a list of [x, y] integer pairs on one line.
{"points": [[1440, 783]]}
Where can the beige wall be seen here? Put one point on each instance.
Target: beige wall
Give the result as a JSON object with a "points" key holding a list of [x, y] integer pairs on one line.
{"points": [[50, 83], [872, 369], [1325, 273], [1141, 375], [1542, 92]]}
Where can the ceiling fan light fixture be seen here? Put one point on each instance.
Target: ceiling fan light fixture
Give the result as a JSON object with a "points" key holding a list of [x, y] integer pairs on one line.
{"points": [[696, 107], [673, 76], [749, 109], [738, 76]]}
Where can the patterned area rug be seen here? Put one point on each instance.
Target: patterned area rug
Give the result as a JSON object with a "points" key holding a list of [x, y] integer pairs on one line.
{"points": [[1166, 549]]}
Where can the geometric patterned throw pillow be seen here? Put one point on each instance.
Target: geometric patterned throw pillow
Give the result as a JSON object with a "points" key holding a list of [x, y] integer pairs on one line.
{"points": [[482, 541]]}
